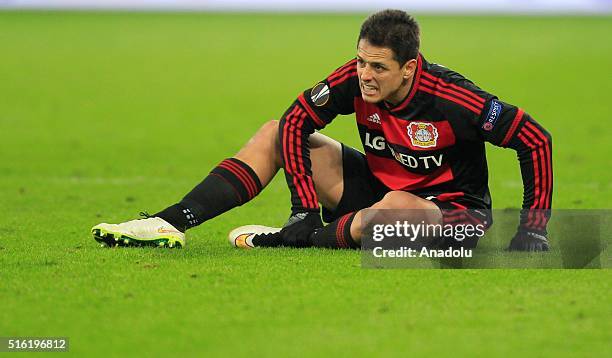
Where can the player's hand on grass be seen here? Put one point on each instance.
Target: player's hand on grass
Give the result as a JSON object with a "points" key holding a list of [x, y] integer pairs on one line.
{"points": [[296, 232], [525, 240]]}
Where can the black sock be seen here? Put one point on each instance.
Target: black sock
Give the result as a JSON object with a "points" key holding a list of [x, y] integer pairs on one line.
{"points": [[336, 235], [230, 184], [268, 240]]}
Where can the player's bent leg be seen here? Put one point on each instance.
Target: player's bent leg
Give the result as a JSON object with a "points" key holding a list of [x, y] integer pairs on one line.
{"points": [[399, 206], [232, 183], [348, 230]]}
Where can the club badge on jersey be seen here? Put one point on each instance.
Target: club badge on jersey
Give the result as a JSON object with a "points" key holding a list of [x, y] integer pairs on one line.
{"points": [[422, 135]]}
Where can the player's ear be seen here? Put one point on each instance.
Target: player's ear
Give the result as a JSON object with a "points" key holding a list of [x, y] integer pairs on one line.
{"points": [[409, 68]]}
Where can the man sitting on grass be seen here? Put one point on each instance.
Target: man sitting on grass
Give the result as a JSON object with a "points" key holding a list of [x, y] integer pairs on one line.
{"points": [[423, 129]]}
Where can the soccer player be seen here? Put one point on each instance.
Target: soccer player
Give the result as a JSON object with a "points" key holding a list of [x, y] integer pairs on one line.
{"points": [[423, 129]]}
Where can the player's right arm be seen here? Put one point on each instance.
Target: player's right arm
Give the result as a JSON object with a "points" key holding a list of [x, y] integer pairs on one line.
{"points": [[314, 108]]}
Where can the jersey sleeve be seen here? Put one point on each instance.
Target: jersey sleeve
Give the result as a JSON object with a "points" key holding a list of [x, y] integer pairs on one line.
{"points": [[508, 126], [314, 108]]}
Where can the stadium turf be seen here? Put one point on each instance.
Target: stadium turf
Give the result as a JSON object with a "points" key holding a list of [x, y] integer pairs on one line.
{"points": [[104, 115]]}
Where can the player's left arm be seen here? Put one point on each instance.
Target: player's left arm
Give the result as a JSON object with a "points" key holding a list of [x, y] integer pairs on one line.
{"points": [[508, 126]]}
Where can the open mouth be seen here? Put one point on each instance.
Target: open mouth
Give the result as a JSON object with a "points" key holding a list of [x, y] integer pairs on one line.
{"points": [[368, 90]]}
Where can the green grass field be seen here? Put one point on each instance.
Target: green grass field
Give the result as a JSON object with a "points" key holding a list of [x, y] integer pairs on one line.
{"points": [[104, 115]]}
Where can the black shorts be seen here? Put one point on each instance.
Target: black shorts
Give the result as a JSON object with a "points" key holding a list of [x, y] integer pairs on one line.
{"points": [[362, 189]]}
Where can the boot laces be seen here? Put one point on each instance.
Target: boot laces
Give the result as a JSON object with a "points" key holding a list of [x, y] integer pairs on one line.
{"points": [[145, 215]]}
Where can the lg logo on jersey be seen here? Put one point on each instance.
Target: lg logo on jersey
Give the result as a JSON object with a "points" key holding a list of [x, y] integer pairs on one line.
{"points": [[378, 143]]}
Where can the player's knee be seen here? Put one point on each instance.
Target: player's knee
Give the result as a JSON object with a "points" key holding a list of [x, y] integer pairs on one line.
{"points": [[408, 206], [268, 134], [398, 200], [269, 129]]}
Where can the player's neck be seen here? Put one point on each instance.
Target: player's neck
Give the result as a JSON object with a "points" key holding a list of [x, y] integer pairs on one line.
{"points": [[400, 95]]}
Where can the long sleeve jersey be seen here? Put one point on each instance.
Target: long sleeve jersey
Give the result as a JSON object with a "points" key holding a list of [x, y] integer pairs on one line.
{"points": [[430, 144]]}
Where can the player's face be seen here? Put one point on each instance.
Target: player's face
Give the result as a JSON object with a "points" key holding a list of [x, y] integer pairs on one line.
{"points": [[381, 78]]}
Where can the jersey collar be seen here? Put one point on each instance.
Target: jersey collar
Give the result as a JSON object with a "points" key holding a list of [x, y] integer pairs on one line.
{"points": [[413, 88]]}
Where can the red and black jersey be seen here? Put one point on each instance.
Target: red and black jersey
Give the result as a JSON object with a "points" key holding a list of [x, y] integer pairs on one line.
{"points": [[431, 144]]}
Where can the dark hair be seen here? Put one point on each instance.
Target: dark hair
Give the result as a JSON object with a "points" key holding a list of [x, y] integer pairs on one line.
{"points": [[393, 29]]}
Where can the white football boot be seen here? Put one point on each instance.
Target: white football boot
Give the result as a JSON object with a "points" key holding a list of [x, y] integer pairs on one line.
{"points": [[150, 231], [242, 236]]}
